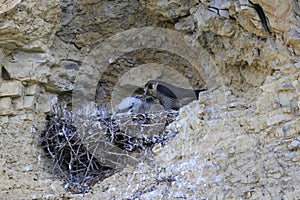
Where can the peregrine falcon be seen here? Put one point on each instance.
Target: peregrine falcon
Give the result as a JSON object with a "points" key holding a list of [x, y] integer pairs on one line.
{"points": [[149, 105], [170, 96], [130, 104]]}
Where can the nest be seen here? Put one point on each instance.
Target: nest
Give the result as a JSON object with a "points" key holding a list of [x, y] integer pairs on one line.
{"points": [[87, 149]]}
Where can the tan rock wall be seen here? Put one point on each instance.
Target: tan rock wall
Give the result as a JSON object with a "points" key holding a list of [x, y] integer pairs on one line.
{"points": [[240, 141]]}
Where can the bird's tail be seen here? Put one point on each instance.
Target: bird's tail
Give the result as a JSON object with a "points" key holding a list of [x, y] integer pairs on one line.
{"points": [[199, 90]]}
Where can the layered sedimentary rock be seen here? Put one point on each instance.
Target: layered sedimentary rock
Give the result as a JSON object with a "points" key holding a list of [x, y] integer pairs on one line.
{"points": [[240, 140]]}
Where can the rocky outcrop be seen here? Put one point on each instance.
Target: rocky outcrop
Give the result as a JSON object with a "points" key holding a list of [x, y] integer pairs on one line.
{"points": [[240, 140]]}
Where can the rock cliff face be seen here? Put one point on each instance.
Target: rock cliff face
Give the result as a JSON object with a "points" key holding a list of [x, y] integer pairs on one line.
{"points": [[241, 140]]}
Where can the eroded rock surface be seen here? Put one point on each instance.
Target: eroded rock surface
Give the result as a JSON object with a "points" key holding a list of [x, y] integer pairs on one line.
{"points": [[239, 141]]}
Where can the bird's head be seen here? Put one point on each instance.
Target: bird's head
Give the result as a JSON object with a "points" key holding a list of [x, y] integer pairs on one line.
{"points": [[161, 87], [138, 96], [149, 99], [151, 84]]}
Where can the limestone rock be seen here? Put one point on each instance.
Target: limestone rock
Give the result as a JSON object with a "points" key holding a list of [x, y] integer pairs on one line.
{"points": [[31, 89], [8, 5], [168, 9], [185, 24], [63, 78], [25, 103], [239, 141], [11, 89], [33, 21], [27, 70], [5, 102], [211, 21], [124, 15], [3, 120]]}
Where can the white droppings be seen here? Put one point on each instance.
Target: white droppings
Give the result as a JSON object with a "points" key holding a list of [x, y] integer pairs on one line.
{"points": [[28, 167]]}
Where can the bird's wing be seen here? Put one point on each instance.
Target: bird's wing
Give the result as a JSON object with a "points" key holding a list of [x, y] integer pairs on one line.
{"points": [[166, 91]]}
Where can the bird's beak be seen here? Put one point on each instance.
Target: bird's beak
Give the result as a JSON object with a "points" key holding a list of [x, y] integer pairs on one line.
{"points": [[146, 89]]}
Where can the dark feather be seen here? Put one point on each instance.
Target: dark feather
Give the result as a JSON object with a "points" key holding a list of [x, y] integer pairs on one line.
{"points": [[165, 90]]}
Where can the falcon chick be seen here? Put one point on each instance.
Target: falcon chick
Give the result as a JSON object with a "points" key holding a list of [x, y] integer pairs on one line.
{"points": [[130, 104], [149, 105]]}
